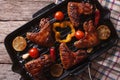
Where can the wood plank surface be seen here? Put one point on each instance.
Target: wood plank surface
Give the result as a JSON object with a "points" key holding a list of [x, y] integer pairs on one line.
{"points": [[7, 74], [13, 14], [20, 9], [7, 27]]}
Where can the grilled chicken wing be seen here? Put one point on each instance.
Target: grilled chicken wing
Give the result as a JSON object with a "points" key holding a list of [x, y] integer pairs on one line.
{"points": [[70, 58], [91, 37], [75, 9], [43, 21], [36, 67], [43, 37]]}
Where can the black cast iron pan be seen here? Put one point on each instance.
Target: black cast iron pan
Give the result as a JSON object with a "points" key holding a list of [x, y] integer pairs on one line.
{"points": [[48, 11]]}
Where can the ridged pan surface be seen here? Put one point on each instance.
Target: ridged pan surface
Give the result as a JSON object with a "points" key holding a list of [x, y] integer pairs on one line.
{"points": [[32, 26]]}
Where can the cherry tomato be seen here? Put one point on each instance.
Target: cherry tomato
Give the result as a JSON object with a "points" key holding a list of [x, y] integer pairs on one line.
{"points": [[34, 52], [79, 34], [59, 15], [52, 54]]}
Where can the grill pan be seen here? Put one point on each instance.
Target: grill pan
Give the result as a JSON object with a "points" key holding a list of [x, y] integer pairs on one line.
{"points": [[32, 26]]}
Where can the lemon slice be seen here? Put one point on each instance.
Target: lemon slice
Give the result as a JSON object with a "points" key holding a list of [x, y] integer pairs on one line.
{"points": [[56, 70], [103, 32], [19, 43]]}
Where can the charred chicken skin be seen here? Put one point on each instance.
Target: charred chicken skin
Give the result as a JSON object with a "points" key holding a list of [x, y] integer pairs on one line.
{"points": [[91, 37], [36, 67], [75, 9], [43, 37], [43, 21], [70, 58]]}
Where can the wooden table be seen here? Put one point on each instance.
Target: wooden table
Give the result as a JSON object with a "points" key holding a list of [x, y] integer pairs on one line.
{"points": [[13, 14]]}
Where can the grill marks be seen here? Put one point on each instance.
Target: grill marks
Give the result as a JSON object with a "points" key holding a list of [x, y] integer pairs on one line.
{"points": [[75, 9]]}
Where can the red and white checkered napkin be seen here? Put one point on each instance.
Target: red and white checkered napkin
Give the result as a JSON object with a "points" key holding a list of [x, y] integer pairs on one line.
{"points": [[106, 66]]}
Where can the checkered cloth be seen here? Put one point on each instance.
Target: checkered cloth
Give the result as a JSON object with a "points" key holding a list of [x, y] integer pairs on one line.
{"points": [[106, 66], [114, 7]]}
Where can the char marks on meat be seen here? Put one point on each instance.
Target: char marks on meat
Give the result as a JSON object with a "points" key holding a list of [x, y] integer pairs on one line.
{"points": [[36, 67], [44, 36], [70, 58], [75, 9], [91, 37]]}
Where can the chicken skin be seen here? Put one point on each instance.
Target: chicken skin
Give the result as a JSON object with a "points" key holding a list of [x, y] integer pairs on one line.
{"points": [[44, 36], [36, 67], [75, 9], [70, 58], [91, 37]]}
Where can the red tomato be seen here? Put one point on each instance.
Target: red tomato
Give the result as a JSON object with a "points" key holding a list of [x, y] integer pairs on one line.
{"points": [[59, 15], [34, 52], [79, 34], [52, 53]]}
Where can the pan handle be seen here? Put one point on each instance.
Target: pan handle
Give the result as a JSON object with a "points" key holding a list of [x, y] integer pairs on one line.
{"points": [[83, 69], [46, 8], [88, 66], [43, 9], [58, 1]]}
